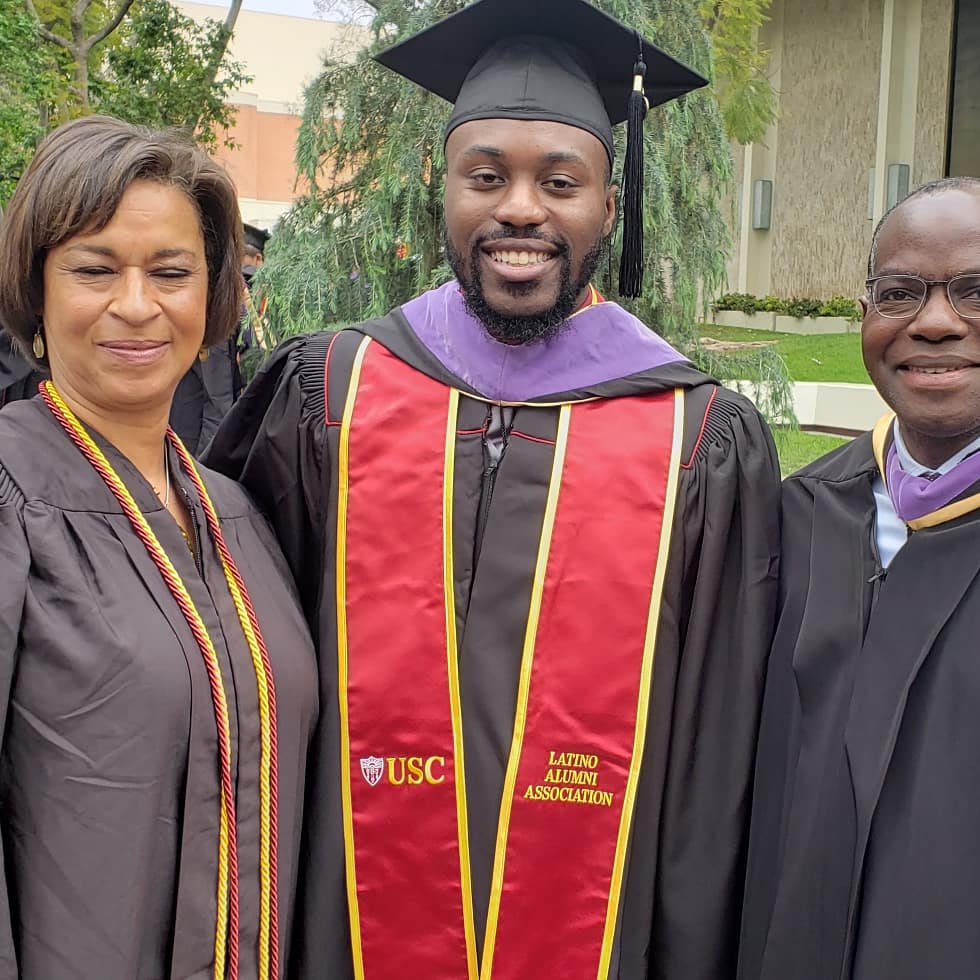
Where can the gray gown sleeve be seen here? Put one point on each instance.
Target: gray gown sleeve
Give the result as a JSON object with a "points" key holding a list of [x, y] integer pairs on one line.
{"points": [[14, 566]]}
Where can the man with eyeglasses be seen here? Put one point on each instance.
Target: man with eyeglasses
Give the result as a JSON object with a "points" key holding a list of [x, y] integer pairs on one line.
{"points": [[864, 862]]}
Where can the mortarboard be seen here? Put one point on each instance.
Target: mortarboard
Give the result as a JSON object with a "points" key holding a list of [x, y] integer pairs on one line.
{"points": [[555, 60], [256, 237]]}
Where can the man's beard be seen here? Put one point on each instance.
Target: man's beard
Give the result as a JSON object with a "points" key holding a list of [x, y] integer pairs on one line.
{"points": [[515, 330]]}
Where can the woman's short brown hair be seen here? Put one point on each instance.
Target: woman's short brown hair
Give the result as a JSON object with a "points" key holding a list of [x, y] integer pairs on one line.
{"points": [[74, 185]]}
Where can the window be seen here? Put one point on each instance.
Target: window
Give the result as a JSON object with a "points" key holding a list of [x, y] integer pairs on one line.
{"points": [[964, 127]]}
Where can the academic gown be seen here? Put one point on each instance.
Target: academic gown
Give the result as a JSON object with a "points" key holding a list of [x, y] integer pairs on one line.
{"points": [[109, 792], [864, 862], [683, 881], [17, 378]]}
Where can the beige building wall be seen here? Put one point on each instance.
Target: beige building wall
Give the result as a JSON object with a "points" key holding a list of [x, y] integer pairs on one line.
{"points": [[932, 108], [283, 54], [827, 129], [862, 85]]}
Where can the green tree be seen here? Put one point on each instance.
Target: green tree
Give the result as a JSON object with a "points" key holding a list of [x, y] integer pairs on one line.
{"points": [[368, 235], [25, 93], [748, 103], [142, 60], [78, 28], [165, 72]]}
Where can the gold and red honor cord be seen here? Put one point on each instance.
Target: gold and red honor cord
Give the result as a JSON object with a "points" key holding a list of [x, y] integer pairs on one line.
{"points": [[226, 945]]}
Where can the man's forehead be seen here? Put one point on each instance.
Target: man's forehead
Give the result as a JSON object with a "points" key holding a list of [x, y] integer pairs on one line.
{"points": [[544, 140], [948, 218]]}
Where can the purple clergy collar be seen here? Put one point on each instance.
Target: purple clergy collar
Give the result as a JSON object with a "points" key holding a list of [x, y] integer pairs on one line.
{"points": [[601, 343], [913, 497]]}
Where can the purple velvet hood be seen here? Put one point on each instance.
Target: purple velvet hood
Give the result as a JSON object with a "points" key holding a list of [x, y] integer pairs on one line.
{"points": [[599, 344]]}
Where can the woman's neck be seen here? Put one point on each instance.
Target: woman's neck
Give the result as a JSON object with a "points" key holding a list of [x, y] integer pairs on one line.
{"points": [[140, 435]]}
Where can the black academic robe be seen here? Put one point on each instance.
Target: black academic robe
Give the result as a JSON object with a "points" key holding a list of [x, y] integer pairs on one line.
{"points": [[204, 396], [18, 379], [864, 862], [683, 880], [109, 795]]}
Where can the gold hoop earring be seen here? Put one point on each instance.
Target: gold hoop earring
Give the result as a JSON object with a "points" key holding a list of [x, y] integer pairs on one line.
{"points": [[203, 354], [38, 345]]}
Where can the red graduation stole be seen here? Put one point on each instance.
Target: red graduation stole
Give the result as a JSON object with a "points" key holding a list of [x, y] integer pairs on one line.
{"points": [[583, 697]]}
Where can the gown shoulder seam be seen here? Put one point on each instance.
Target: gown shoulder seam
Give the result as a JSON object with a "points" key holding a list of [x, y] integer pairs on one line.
{"points": [[10, 491]]}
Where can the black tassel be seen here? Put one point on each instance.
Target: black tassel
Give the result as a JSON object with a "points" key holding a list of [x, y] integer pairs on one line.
{"points": [[631, 263]]}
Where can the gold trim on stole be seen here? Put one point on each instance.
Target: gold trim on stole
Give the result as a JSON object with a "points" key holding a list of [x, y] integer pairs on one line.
{"points": [[343, 489], [948, 513], [523, 691], [455, 701], [646, 682]]}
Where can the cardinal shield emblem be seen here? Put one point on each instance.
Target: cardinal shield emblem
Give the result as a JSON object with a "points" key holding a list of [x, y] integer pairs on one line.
{"points": [[372, 768]]}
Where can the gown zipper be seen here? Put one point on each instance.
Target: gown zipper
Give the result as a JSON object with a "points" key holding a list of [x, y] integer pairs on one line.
{"points": [[196, 527], [496, 429]]}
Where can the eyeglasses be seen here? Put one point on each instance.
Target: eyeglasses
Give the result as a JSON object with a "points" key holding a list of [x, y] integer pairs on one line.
{"points": [[902, 297]]}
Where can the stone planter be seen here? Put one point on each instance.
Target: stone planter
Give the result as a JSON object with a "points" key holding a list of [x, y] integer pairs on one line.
{"points": [[786, 324], [815, 324], [746, 321]]}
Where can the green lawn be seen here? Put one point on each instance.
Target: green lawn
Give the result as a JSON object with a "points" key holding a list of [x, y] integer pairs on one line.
{"points": [[822, 357], [797, 448]]}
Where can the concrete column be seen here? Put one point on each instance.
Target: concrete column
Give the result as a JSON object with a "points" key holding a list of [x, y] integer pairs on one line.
{"points": [[898, 90], [755, 247]]}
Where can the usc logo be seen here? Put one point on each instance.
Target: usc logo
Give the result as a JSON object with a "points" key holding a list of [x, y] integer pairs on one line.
{"points": [[415, 770], [412, 770]]}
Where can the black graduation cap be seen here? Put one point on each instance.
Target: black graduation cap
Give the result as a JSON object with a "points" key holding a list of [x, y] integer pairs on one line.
{"points": [[557, 60], [256, 237]]}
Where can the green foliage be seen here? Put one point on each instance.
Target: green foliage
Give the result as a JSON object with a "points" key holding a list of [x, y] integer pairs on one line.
{"points": [[156, 68], [748, 102], [160, 74], [371, 145], [738, 302], [841, 306], [808, 357], [758, 371], [801, 306], [797, 306], [25, 93]]}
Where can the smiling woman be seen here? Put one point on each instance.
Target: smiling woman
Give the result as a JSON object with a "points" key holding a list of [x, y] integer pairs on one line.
{"points": [[150, 637], [124, 306]]}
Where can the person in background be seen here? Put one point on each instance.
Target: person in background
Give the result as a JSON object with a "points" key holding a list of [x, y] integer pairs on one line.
{"points": [[18, 377], [253, 254], [205, 395], [863, 861], [157, 681], [539, 549], [255, 338]]}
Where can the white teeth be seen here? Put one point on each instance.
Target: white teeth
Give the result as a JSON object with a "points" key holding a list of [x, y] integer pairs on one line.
{"points": [[939, 370], [520, 258]]}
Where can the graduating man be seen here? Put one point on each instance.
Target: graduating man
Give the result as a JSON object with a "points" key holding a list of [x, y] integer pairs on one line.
{"points": [[539, 550], [864, 861]]}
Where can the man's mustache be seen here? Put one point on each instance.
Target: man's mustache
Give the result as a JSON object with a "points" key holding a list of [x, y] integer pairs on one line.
{"points": [[524, 234]]}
